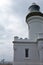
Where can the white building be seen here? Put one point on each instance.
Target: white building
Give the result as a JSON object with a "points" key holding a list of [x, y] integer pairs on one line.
{"points": [[30, 51]]}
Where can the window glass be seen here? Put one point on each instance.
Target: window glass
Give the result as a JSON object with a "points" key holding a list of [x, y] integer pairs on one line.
{"points": [[26, 52]]}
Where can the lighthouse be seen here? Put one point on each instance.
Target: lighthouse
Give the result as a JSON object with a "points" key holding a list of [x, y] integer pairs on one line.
{"points": [[29, 51], [34, 21]]}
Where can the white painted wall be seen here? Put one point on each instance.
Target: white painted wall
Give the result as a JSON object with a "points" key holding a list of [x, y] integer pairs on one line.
{"points": [[40, 47], [35, 26], [20, 52]]}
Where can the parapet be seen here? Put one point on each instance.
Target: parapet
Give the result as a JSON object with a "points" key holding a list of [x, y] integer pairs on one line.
{"points": [[17, 39]]}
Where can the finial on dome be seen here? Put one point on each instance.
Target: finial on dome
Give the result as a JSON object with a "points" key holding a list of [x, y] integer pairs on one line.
{"points": [[34, 3]]}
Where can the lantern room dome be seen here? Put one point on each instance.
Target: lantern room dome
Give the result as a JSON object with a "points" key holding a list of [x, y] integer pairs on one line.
{"points": [[34, 8]]}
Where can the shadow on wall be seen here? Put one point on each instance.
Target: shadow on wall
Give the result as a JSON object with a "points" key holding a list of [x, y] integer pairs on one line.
{"points": [[6, 64]]}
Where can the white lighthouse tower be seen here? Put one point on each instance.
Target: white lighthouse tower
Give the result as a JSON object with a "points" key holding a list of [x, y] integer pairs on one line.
{"points": [[34, 20], [30, 51]]}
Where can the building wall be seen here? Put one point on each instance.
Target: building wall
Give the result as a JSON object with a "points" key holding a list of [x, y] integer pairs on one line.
{"points": [[35, 52], [40, 47], [19, 52]]}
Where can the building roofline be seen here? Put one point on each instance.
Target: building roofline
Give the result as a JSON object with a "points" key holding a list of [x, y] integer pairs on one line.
{"points": [[27, 41], [24, 41], [40, 39]]}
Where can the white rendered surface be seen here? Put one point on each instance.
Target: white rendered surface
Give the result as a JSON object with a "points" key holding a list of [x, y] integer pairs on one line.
{"points": [[35, 26]]}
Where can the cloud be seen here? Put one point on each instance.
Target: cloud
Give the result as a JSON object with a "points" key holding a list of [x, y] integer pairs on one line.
{"points": [[12, 23], [5, 34]]}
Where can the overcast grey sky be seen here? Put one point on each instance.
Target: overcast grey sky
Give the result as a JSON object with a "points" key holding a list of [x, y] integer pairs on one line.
{"points": [[12, 23]]}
